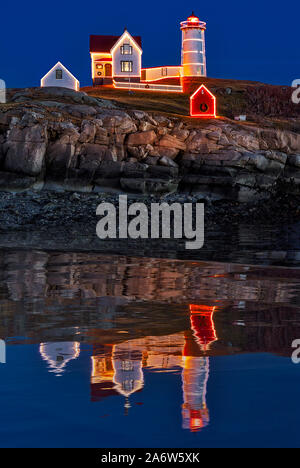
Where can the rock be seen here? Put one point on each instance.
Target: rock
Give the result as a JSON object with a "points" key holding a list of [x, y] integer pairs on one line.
{"points": [[135, 170], [81, 110], [139, 115], [193, 179], [163, 172], [52, 104], [25, 149], [119, 123], [69, 136], [88, 131], [265, 182], [138, 152], [248, 141], [170, 141], [151, 160], [93, 151], [181, 134], [198, 142], [111, 185], [15, 182], [77, 185], [109, 169], [161, 131], [141, 138], [247, 194], [146, 126], [101, 136], [114, 154], [262, 163], [87, 168], [165, 161], [162, 120], [294, 160], [160, 151], [246, 178], [30, 118], [5, 119], [148, 186], [215, 136], [59, 158]]}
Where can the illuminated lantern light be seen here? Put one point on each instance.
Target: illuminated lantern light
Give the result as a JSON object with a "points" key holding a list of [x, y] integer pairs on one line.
{"points": [[203, 104]]}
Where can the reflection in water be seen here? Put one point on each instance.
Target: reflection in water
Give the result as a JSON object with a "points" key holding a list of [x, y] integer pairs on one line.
{"points": [[137, 327], [118, 369], [59, 354]]}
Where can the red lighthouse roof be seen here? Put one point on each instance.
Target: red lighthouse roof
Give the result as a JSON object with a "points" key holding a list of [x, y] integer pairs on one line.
{"points": [[193, 18], [192, 22]]}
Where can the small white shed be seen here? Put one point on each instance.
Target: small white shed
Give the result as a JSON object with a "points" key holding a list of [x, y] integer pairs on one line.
{"points": [[60, 76], [2, 91]]}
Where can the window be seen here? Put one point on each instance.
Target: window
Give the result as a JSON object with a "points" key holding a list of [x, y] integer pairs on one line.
{"points": [[58, 74], [126, 49], [126, 66], [99, 73], [164, 72], [99, 66]]}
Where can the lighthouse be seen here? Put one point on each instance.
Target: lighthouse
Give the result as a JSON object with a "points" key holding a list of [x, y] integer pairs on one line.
{"points": [[193, 58]]}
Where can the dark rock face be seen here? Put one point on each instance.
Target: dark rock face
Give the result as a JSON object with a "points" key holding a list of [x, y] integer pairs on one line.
{"points": [[70, 140]]}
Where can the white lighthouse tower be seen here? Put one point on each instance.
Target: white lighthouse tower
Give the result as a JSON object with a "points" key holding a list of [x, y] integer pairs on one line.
{"points": [[193, 58]]}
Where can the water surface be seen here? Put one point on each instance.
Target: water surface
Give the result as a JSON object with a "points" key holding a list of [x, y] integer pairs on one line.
{"points": [[120, 351]]}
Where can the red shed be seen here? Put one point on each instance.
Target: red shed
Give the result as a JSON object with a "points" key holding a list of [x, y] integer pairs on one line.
{"points": [[203, 104]]}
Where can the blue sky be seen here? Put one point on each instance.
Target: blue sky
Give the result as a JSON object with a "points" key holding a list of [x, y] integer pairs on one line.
{"points": [[255, 40]]}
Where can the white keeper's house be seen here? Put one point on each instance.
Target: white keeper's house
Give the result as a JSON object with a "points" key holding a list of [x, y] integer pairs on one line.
{"points": [[116, 57], [59, 75]]}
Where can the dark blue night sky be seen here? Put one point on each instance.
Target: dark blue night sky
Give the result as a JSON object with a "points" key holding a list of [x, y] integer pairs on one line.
{"points": [[255, 40]]}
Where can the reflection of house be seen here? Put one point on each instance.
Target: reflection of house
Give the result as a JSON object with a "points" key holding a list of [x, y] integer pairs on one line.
{"points": [[118, 369], [58, 355]]}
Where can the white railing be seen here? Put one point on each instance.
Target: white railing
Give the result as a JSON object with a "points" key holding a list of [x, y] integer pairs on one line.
{"points": [[148, 87], [158, 73]]}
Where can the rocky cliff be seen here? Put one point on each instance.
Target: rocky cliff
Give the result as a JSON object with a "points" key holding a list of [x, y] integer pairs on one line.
{"points": [[54, 138]]}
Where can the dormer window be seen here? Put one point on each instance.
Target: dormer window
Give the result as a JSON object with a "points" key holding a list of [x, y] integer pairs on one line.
{"points": [[126, 49], [58, 74]]}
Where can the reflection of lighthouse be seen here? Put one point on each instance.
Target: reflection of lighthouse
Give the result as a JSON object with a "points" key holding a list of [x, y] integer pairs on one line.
{"points": [[193, 58], [117, 369], [59, 354], [128, 375], [195, 372]]}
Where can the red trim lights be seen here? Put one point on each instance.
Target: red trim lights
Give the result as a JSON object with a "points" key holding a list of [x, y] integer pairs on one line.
{"points": [[203, 104]]}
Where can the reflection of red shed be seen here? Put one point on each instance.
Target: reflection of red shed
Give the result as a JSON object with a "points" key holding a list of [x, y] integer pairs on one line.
{"points": [[203, 103]]}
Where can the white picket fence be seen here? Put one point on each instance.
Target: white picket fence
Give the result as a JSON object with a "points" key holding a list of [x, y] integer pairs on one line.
{"points": [[148, 87]]}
